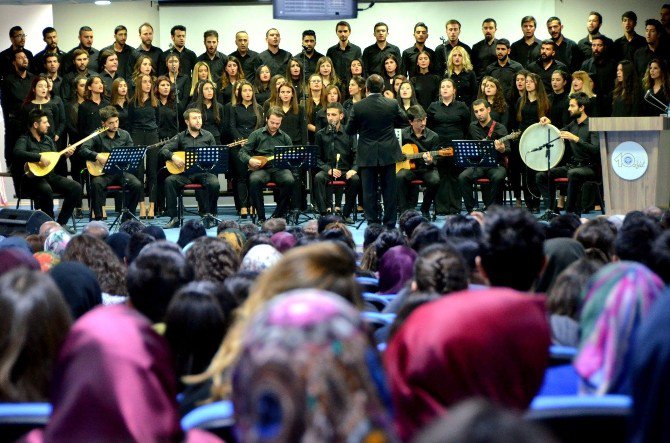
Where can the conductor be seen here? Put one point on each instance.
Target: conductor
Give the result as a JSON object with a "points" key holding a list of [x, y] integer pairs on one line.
{"points": [[374, 119]]}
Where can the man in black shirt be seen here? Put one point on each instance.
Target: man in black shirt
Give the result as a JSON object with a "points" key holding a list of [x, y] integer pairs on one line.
{"points": [[30, 147], [262, 143], [337, 161], [274, 57], [527, 49], [146, 47], [193, 136], [80, 63], [85, 44], [309, 55], [485, 128], [566, 50], [344, 51], [215, 60], [655, 47], [442, 51], [50, 37], [187, 58], [109, 65], [15, 88], [18, 39], [581, 161], [626, 45], [246, 56], [410, 54], [602, 70], [52, 68], [593, 24], [425, 141], [125, 54], [547, 63], [504, 69], [94, 150], [374, 55], [484, 51]]}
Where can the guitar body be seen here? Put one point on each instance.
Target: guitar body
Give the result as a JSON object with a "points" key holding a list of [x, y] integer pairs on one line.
{"points": [[264, 161], [406, 149], [95, 168], [171, 167], [37, 170]]}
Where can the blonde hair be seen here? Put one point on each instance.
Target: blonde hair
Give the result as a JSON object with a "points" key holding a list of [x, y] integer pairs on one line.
{"points": [[587, 88], [194, 77], [332, 78], [467, 63]]}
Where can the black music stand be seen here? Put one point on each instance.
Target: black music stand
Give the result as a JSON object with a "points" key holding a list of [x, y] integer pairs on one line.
{"points": [[124, 159], [296, 159], [549, 213], [211, 159], [475, 154]]}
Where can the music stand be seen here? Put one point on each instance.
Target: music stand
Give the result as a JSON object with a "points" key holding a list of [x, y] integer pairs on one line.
{"points": [[296, 159], [475, 154], [210, 159], [124, 159]]}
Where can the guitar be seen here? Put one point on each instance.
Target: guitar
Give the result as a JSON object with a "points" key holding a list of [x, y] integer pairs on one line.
{"points": [[36, 169], [511, 136], [411, 152], [264, 161], [174, 169], [95, 168]]}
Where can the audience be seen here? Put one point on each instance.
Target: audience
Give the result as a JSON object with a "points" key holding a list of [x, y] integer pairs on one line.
{"points": [[79, 287], [560, 253], [212, 259]]}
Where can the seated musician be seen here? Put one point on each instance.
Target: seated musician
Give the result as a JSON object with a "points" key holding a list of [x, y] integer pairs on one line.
{"points": [[94, 150], [194, 136], [485, 128], [425, 141], [261, 143], [581, 161], [333, 141], [31, 147]]}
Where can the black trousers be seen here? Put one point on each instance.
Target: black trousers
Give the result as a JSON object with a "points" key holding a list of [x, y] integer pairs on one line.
{"points": [[144, 138], [98, 194], [42, 190], [431, 178], [175, 182], [372, 178], [448, 198], [285, 182], [240, 174], [576, 178], [323, 193], [467, 179]]}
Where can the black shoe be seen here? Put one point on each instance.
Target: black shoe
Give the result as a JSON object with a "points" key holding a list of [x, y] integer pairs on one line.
{"points": [[68, 229], [173, 223]]}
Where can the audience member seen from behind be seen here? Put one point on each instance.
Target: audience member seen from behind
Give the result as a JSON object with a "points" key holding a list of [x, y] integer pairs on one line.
{"points": [[212, 259], [79, 287]]}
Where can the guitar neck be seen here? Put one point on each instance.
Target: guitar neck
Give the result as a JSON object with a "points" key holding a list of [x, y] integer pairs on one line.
{"points": [[83, 140], [420, 154]]}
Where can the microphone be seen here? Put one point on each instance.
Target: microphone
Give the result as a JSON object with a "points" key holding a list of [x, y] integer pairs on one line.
{"points": [[337, 160], [649, 98]]}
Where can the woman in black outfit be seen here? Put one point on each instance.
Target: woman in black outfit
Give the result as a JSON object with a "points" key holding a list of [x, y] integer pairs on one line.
{"points": [[356, 93], [120, 101], [180, 83], [296, 75], [460, 70], [232, 73], [143, 120], [559, 98], [627, 94], [211, 109], [492, 91], [262, 84], [333, 95], [294, 122], [169, 116], [657, 81], [426, 85]]}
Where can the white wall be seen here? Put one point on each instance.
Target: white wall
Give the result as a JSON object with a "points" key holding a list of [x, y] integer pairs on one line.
{"points": [[32, 18]]}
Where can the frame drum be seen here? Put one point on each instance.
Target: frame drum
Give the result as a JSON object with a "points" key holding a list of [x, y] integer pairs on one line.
{"points": [[535, 136]]}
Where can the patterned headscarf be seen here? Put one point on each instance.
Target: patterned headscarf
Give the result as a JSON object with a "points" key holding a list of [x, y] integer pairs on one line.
{"points": [[234, 237], [259, 258], [617, 299], [307, 372], [47, 260], [56, 242]]}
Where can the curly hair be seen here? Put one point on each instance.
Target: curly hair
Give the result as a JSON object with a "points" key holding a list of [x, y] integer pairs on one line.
{"points": [[100, 258], [212, 259]]}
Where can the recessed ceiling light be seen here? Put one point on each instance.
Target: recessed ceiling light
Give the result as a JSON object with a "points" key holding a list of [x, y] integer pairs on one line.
{"points": [[103, 2]]}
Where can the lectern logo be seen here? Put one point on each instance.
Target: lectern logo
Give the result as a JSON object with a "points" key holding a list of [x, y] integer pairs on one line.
{"points": [[629, 160]]}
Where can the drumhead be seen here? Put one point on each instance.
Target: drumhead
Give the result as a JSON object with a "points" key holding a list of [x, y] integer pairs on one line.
{"points": [[535, 136]]}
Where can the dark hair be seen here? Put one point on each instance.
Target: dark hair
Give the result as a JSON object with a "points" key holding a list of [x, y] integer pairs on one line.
{"points": [[153, 278], [512, 252], [131, 226], [155, 231], [598, 233], [635, 240], [629, 88], [503, 41], [210, 33], [227, 224], [565, 293], [237, 286], [47, 30], [426, 234], [34, 116], [630, 15], [342, 23], [139, 30], [655, 23], [137, 241], [549, 42], [371, 233], [529, 18], [406, 215], [462, 226], [469, 249], [200, 102], [85, 29], [108, 112], [191, 230], [34, 321], [309, 32], [597, 14], [552, 19], [177, 28], [388, 239], [453, 22], [276, 111], [374, 83], [212, 259], [195, 326], [412, 223], [490, 20], [660, 257], [481, 101], [101, 259], [415, 112], [564, 225], [440, 268], [420, 25], [378, 24], [325, 220], [120, 28]]}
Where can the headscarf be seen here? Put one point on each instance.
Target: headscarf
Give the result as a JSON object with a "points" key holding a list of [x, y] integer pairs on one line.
{"points": [[15, 242], [56, 242], [561, 253], [155, 231], [118, 242], [492, 343], [618, 298], [234, 237], [259, 258], [46, 260], [650, 381], [113, 382], [12, 258], [307, 372], [79, 286], [396, 268], [283, 241]]}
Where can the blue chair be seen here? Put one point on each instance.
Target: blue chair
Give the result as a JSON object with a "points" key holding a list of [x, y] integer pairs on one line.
{"points": [[217, 418], [574, 418], [368, 284], [379, 301], [561, 355], [377, 319], [17, 419]]}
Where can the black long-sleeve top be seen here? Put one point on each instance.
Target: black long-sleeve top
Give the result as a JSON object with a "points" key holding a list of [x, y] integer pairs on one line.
{"points": [[123, 116], [426, 88], [55, 116], [169, 118], [243, 120], [142, 118], [276, 62], [528, 114], [342, 58], [210, 124], [426, 142], [479, 132], [449, 122], [225, 95], [524, 53], [558, 113], [586, 151], [249, 63], [28, 149], [14, 91], [330, 144], [373, 58], [103, 143], [185, 140], [260, 142], [295, 125], [72, 120], [88, 116], [409, 57], [466, 86]]}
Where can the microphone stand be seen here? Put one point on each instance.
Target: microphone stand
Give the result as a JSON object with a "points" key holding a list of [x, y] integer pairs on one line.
{"points": [[649, 98], [549, 213]]}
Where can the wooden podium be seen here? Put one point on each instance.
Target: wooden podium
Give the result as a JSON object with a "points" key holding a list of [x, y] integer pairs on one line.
{"points": [[653, 187]]}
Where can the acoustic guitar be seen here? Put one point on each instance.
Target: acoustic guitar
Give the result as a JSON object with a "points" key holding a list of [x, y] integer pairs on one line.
{"points": [[174, 169], [36, 169], [95, 168], [411, 152]]}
